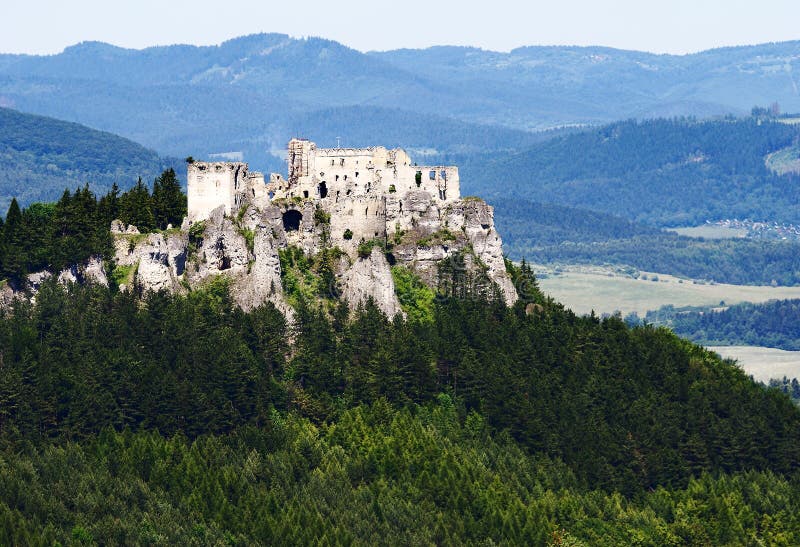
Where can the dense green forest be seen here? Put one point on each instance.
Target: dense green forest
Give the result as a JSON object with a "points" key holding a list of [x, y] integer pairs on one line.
{"points": [[55, 236], [40, 156], [774, 324], [547, 234], [677, 172], [184, 419]]}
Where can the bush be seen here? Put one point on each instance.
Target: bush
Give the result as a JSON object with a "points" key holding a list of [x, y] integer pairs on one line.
{"points": [[321, 217], [365, 247], [416, 298]]}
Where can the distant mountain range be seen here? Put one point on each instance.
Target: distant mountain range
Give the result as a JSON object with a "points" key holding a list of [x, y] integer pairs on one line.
{"points": [[251, 94]]}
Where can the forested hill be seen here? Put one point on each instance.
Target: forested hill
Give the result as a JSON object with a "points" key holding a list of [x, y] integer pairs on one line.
{"points": [[184, 419], [773, 324], [40, 156], [553, 234], [659, 172]]}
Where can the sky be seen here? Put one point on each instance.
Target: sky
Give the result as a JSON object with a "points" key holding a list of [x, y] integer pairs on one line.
{"points": [[659, 26]]}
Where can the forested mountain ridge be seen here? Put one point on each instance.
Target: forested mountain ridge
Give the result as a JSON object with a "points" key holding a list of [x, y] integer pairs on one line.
{"points": [[183, 418], [40, 156], [565, 84], [678, 172], [245, 92], [773, 324], [556, 234]]}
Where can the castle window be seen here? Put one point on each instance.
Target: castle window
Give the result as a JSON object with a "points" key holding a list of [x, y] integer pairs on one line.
{"points": [[345, 177], [305, 193], [333, 162], [356, 174], [291, 220], [432, 175], [271, 195], [341, 162], [323, 189], [443, 173], [337, 177]]}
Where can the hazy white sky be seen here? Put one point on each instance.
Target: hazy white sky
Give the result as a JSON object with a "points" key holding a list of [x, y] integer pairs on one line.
{"points": [[664, 26]]}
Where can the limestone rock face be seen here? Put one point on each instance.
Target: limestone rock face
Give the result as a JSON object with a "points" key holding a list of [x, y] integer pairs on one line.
{"points": [[159, 260], [7, 296], [486, 243], [36, 279], [431, 232], [223, 249], [371, 277], [95, 272]]}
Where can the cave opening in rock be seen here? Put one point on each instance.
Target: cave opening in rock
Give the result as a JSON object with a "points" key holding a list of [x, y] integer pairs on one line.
{"points": [[291, 220]]}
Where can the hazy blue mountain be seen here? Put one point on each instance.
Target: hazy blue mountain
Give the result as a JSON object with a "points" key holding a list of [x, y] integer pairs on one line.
{"points": [[543, 85], [659, 172], [40, 157], [251, 94]]}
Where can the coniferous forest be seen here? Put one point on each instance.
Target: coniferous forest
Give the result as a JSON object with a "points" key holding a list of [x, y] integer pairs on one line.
{"points": [[182, 419], [57, 235], [166, 419]]}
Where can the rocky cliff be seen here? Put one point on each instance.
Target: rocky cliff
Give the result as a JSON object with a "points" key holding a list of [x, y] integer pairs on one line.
{"points": [[438, 242]]}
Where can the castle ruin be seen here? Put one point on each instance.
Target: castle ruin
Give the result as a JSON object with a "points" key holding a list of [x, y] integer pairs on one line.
{"points": [[363, 189], [341, 198]]}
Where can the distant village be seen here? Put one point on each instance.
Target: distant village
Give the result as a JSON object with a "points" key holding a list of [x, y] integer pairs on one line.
{"points": [[760, 230]]}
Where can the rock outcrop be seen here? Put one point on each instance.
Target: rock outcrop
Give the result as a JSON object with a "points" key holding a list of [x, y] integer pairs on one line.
{"points": [[246, 250], [349, 225], [156, 261], [429, 233], [371, 278]]}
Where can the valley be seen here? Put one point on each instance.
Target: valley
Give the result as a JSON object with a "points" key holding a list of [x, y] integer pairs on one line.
{"points": [[763, 363], [608, 290]]}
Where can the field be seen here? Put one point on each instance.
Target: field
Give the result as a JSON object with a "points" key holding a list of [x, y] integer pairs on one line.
{"points": [[606, 290], [785, 160], [763, 363], [710, 232]]}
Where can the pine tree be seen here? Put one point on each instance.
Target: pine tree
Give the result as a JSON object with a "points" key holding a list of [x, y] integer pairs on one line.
{"points": [[109, 206], [14, 259], [136, 208], [169, 203]]}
